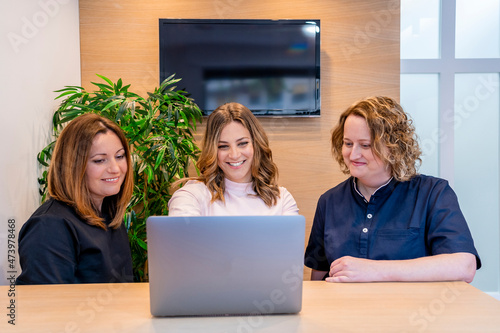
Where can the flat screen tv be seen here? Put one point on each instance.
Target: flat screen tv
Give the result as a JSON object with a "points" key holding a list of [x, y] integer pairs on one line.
{"points": [[270, 66]]}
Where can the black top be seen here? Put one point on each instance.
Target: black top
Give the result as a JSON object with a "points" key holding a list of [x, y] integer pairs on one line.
{"points": [[57, 246]]}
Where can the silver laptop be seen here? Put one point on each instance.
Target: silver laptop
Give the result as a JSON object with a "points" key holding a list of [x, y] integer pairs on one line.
{"points": [[225, 265]]}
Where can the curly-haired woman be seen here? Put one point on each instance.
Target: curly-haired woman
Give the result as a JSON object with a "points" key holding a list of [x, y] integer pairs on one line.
{"points": [[386, 222]]}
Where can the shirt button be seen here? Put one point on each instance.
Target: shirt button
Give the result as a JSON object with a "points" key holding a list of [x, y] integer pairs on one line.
{"points": [[369, 216], [365, 230]]}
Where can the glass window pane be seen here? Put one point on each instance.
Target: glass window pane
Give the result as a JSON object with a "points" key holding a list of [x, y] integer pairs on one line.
{"points": [[477, 29], [420, 98], [420, 22], [476, 123]]}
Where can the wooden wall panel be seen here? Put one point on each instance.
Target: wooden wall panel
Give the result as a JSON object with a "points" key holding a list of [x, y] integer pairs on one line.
{"points": [[359, 58]]}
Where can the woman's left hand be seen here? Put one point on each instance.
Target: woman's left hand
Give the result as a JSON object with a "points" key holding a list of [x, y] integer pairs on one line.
{"points": [[351, 269], [458, 266]]}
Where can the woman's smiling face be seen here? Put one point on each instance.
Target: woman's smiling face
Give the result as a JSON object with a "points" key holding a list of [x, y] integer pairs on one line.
{"points": [[106, 167], [358, 153], [235, 153]]}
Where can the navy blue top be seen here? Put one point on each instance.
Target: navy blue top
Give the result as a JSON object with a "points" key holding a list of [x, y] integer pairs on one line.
{"points": [[402, 220], [57, 246]]}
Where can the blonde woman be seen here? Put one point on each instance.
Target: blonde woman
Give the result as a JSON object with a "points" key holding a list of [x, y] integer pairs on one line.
{"points": [[386, 222], [238, 175], [78, 236]]}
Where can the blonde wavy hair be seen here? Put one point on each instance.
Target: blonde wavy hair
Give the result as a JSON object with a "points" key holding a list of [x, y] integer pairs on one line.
{"points": [[66, 177], [264, 170], [392, 133]]}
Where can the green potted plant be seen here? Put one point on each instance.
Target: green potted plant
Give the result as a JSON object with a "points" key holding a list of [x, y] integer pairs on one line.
{"points": [[159, 128]]}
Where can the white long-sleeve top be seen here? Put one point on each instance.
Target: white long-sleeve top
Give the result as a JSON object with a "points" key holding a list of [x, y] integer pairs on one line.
{"points": [[193, 199]]}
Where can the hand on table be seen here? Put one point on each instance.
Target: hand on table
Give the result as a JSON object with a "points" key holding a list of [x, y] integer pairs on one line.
{"points": [[351, 269]]}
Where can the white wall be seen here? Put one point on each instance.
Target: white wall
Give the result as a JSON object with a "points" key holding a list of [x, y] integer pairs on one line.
{"points": [[39, 53]]}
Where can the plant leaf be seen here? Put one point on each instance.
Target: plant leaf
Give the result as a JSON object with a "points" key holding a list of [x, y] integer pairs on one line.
{"points": [[105, 79], [162, 145], [159, 158]]}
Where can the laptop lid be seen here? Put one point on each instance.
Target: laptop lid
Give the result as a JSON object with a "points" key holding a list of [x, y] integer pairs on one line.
{"points": [[225, 265]]}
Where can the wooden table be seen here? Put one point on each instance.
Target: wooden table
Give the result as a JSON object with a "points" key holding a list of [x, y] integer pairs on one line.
{"points": [[363, 307]]}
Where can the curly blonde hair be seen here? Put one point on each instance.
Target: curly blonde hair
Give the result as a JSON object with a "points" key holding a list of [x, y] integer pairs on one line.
{"points": [[392, 133], [264, 170]]}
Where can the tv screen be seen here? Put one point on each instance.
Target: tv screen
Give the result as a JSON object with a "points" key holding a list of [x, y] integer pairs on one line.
{"points": [[270, 66]]}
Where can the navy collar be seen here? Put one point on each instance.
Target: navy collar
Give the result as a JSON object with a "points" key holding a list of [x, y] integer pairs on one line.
{"points": [[383, 189]]}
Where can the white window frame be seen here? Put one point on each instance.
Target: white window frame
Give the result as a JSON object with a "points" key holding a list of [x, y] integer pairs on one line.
{"points": [[446, 67]]}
